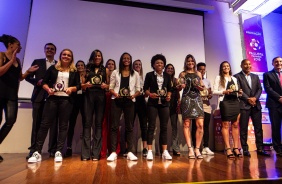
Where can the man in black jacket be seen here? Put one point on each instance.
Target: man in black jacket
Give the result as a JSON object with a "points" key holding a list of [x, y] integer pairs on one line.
{"points": [[250, 107], [38, 99], [272, 82]]}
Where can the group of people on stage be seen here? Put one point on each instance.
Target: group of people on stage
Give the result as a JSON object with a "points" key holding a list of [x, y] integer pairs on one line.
{"points": [[62, 89]]}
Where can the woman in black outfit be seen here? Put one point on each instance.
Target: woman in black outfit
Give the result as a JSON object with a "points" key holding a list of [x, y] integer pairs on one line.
{"points": [[10, 76], [175, 97], [140, 106], [77, 106], [94, 104], [61, 81], [157, 86]]}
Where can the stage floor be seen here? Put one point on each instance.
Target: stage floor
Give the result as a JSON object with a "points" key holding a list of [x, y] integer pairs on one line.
{"points": [[212, 169]]}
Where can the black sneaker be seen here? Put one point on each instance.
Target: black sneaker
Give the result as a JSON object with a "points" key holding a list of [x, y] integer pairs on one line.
{"points": [[145, 152], [1, 158], [125, 153], [68, 152], [51, 154], [29, 155]]}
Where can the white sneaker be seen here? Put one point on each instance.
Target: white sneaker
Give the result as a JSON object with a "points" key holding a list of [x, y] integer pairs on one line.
{"points": [[58, 157], [166, 155], [150, 155], [207, 151], [112, 157], [36, 157], [131, 156]]}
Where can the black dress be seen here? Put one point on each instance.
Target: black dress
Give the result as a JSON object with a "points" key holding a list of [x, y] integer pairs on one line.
{"points": [[229, 107]]}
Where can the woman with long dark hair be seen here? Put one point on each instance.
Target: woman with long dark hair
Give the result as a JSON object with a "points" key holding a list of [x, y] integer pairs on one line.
{"points": [[175, 97], [94, 103], [10, 76], [124, 87], [226, 87]]}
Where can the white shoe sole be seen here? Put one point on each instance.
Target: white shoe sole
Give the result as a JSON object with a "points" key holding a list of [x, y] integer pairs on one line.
{"points": [[58, 160]]}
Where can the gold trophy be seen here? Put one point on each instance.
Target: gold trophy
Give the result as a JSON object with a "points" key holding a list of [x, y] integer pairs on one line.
{"points": [[96, 80], [180, 81], [124, 92]]}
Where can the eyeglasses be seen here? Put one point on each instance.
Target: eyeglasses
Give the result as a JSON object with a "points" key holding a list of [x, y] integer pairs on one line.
{"points": [[49, 48]]}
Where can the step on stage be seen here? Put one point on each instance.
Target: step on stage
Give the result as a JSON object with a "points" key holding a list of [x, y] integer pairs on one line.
{"points": [[212, 169]]}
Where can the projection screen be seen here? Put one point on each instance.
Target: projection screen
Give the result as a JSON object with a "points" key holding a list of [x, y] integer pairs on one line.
{"points": [[85, 26]]}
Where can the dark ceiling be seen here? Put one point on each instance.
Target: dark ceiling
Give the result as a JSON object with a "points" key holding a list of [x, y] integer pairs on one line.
{"points": [[278, 10]]}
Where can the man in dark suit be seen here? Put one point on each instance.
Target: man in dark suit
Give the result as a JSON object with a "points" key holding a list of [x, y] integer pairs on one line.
{"points": [[38, 98], [250, 107], [272, 82]]}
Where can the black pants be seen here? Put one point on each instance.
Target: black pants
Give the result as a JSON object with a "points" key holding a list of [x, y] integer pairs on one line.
{"points": [[94, 104], [55, 106], [10, 108], [244, 122], [37, 111], [275, 115], [78, 106], [140, 110], [206, 130], [163, 113], [117, 107]]}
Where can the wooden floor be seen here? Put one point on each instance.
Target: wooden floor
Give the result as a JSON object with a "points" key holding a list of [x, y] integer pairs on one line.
{"points": [[212, 169]]}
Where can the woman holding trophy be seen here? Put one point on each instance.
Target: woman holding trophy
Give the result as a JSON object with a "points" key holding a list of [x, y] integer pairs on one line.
{"points": [[157, 86], [226, 87], [124, 87], [190, 80], [61, 81], [94, 103]]}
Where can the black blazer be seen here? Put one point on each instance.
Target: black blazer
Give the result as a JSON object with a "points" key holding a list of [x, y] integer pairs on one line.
{"points": [[38, 94], [51, 75], [152, 85], [248, 92], [273, 89]]}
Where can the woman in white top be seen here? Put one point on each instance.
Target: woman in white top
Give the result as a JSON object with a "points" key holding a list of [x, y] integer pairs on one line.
{"points": [[124, 87], [61, 81], [226, 86]]}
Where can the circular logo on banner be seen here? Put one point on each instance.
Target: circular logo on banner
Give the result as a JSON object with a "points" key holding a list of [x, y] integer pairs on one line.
{"points": [[255, 44]]}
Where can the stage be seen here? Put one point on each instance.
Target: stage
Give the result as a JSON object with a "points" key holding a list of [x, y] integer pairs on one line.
{"points": [[212, 169]]}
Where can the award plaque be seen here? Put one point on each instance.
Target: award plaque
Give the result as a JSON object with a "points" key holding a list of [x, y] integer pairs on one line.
{"points": [[59, 86], [124, 92], [181, 80], [96, 80], [162, 93]]}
